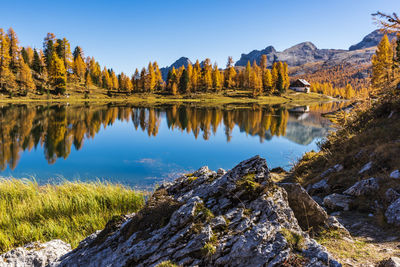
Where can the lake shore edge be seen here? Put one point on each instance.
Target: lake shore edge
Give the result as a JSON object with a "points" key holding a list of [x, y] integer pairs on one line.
{"points": [[204, 98]]}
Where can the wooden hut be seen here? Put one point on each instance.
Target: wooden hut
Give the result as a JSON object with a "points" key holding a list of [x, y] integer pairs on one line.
{"points": [[300, 85]]}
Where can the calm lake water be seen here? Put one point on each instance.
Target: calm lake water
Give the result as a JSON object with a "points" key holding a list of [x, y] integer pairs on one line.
{"points": [[143, 145]]}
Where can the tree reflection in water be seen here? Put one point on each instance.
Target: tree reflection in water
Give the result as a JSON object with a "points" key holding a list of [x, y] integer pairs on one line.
{"points": [[59, 127]]}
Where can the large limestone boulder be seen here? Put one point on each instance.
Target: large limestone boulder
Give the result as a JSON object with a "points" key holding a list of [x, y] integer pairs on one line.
{"points": [[35, 254], [238, 218], [308, 212]]}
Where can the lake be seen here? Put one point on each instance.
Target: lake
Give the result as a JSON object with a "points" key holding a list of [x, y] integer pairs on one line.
{"points": [[142, 145]]}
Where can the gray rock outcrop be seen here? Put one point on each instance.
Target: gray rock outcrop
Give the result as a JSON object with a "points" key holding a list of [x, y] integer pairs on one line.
{"points": [[35, 254], [238, 218]]}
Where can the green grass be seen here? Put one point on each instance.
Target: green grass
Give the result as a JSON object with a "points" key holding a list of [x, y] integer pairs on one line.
{"points": [[358, 250], [239, 96], [167, 264], [69, 211], [295, 240]]}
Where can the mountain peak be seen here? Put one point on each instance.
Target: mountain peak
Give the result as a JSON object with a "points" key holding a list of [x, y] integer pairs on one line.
{"points": [[304, 46], [182, 61], [269, 49], [371, 40]]}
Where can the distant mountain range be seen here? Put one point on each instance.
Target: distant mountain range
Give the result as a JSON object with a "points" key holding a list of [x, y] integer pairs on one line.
{"points": [[305, 53]]}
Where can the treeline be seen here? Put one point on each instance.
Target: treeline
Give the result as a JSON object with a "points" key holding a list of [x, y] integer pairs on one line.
{"points": [[55, 68], [386, 65], [339, 76], [347, 92], [205, 77]]}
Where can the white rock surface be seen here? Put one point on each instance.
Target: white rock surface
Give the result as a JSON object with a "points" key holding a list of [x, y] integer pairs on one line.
{"points": [[395, 174], [35, 254], [366, 167]]}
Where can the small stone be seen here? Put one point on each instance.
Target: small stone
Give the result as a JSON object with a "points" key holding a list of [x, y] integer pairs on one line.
{"points": [[370, 215], [366, 167], [338, 167], [362, 188], [323, 184], [220, 172], [395, 174], [337, 202]]}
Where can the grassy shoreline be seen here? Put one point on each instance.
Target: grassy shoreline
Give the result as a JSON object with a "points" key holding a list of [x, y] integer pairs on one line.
{"points": [[240, 97], [69, 211]]}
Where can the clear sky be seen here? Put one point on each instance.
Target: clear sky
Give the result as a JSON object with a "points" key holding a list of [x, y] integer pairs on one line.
{"points": [[125, 34]]}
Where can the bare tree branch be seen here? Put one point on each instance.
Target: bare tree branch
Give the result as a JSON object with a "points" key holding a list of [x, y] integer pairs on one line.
{"points": [[388, 22]]}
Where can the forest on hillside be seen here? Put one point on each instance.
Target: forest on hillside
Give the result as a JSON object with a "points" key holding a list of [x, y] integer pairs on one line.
{"points": [[56, 69]]}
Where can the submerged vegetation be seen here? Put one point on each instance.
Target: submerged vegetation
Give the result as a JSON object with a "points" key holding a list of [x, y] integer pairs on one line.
{"points": [[69, 211]]}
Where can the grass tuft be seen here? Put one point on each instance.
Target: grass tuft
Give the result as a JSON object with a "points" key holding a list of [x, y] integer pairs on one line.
{"points": [[204, 213], [69, 211], [209, 249], [167, 264], [295, 240]]}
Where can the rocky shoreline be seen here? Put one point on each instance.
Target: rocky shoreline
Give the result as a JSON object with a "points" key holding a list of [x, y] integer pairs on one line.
{"points": [[235, 218]]}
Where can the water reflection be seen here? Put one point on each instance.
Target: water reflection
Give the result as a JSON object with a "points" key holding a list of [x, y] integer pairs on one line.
{"points": [[58, 128]]}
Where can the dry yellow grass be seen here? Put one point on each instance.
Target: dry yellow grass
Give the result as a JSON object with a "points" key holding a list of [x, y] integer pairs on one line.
{"points": [[69, 211]]}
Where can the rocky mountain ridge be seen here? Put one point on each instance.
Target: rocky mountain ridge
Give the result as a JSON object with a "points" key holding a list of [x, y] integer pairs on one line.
{"points": [[306, 53]]}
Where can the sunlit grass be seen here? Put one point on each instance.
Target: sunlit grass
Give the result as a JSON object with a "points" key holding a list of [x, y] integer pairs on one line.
{"points": [[69, 211]]}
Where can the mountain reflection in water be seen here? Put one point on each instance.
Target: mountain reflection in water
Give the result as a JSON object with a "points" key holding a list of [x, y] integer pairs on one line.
{"points": [[58, 129]]}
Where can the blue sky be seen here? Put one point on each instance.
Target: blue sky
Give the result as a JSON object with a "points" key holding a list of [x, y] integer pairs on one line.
{"points": [[127, 34]]}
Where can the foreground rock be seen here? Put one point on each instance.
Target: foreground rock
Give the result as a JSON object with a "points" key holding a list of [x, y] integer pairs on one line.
{"points": [[310, 215], [238, 218], [35, 254]]}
